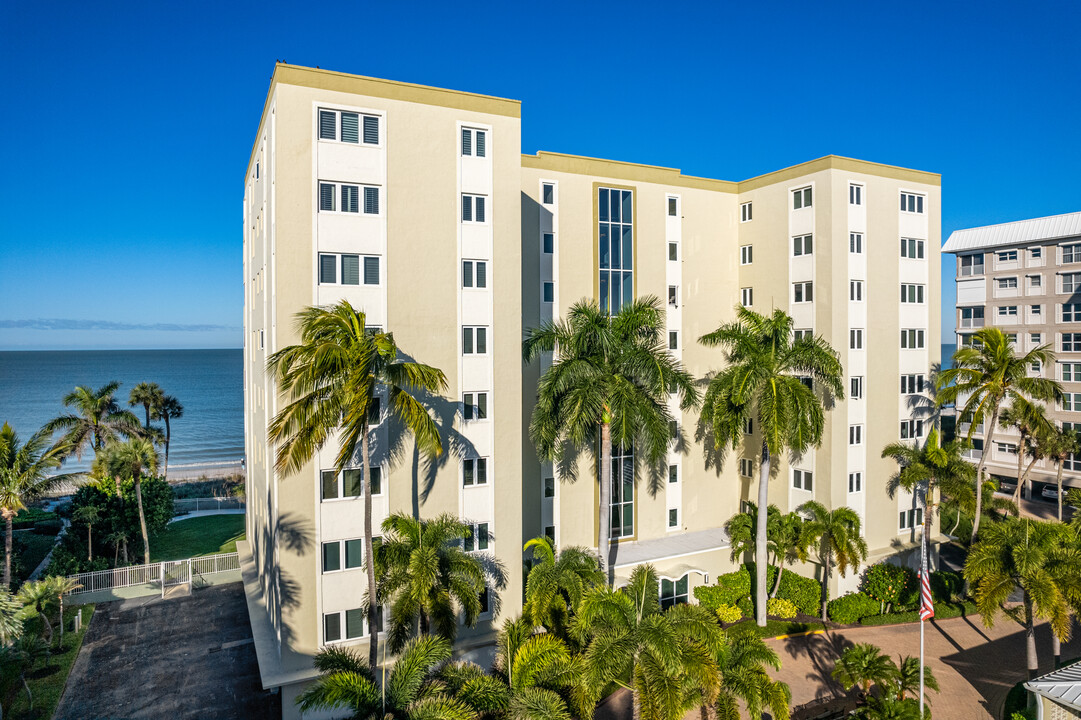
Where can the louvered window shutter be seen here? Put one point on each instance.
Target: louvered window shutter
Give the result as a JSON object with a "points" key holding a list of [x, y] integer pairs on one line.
{"points": [[328, 125], [480, 209], [350, 270], [480, 143], [482, 406], [371, 130], [467, 341], [371, 201], [350, 199], [482, 478], [326, 197], [467, 208], [467, 141], [371, 271], [467, 273], [350, 127], [482, 341], [328, 267], [482, 274]]}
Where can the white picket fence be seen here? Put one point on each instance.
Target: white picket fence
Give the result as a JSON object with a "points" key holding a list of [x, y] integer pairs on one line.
{"points": [[155, 574]]}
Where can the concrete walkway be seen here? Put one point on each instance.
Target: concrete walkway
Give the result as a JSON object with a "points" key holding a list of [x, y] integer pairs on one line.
{"points": [[975, 666]]}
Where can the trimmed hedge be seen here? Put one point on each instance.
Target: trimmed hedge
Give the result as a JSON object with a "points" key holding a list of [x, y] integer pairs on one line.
{"points": [[803, 592], [29, 517], [729, 614], [779, 607], [734, 588], [852, 608], [48, 527], [947, 585], [943, 611]]}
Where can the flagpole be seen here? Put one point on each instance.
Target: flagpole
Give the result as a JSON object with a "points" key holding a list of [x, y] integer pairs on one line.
{"points": [[921, 668]]}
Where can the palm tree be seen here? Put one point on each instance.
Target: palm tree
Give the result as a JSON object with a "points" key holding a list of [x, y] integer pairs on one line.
{"points": [[836, 534], [742, 530], [556, 583], [412, 690], [907, 679], [1032, 423], [88, 514], [763, 383], [1060, 445], [1026, 554], [427, 577], [786, 540], [132, 459], [169, 408], [61, 586], [542, 675], [149, 395], [862, 666], [928, 470], [334, 378], [608, 386], [24, 476], [97, 420], [742, 661], [989, 374], [11, 621], [790, 543], [663, 654], [39, 599], [886, 708]]}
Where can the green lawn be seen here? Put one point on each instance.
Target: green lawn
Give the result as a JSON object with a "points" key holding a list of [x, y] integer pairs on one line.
{"points": [[47, 681], [36, 548], [207, 535]]}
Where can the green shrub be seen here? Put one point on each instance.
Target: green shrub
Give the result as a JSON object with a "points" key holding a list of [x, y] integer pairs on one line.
{"points": [[746, 605], [735, 588], [852, 608], [943, 611], [26, 519], [729, 614], [781, 608], [889, 584], [947, 585], [47, 527], [803, 592], [729, 590]]}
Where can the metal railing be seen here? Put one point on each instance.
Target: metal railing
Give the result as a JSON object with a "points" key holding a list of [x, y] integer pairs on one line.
{"points": [[189, 505], [152, 574]]}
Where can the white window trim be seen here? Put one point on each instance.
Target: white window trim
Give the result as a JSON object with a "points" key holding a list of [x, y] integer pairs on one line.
{"points": [[341, 556], [747, 216], [473, 209], [487, 471], [339, 109], [341, 484], [338, 198], [902, 192]]}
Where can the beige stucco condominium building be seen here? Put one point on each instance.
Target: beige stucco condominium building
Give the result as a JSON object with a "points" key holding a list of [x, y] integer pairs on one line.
{"points": [[416, 204], [1025, 277]]}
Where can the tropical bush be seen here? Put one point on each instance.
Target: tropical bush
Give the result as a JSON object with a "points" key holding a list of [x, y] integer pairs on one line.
{"points": [[779, 607], [803, 592], [852, 608], [729, 590], [28, 518], [734, 588], [943, 611], [890, 585], [48, 527], [947, 585], [729, 614]]}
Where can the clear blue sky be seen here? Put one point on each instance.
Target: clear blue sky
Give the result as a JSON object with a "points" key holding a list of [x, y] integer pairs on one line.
{"points": [[127, 126]]}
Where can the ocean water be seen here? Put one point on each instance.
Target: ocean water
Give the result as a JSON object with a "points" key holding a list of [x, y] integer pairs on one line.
{"points": [[208, 383], [947, 355]]}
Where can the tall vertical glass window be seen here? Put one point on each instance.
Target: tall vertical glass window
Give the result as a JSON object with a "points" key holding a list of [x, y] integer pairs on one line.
{"points": [[616, 240], [622, 491]]}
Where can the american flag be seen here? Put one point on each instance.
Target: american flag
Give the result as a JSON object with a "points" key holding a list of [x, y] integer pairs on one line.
{"points": [[927, 609]]}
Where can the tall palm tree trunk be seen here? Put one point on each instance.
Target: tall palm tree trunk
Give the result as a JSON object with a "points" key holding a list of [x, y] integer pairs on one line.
{"points": [[120, 495], [760, 563], [777, 582], [9, 521], [1056, 650], [1021, 482], [142, 520], [89, 545], [827, 560], [1030, 639], [369, 552], [1058, 481], [1020, 471], [604, 531], [168, 436], [987, 444]]}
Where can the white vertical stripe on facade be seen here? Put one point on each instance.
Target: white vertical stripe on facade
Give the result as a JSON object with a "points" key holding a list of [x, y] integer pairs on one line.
{"points": [[856, 366], [549, 272], [802, 269], [673, 230]]}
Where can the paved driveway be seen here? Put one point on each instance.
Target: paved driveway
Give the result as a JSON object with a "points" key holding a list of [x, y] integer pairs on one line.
{"points": [[975, 666], [185, 657]]}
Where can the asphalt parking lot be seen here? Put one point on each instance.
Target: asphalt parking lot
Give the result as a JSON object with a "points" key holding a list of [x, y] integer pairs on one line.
{"points": [[185, 657]]}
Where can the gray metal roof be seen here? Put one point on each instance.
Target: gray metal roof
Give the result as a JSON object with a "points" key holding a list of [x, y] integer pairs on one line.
{"points": [[1062, 686], [671, 546], [1054, 227]]}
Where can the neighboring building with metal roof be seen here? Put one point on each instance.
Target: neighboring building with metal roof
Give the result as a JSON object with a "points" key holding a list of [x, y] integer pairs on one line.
{"points": [[1025, 277], [1058, 693]]}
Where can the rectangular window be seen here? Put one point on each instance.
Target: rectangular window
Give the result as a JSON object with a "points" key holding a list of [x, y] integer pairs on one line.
{"points": [[1035, 281], [746, 296], [911, 202], [913, 293], [622, 479], [802, 479], [350, 198], [474, 274], [673, 339], [855, 243], [746, 467], [674, 593], [332, 558], [1007, 311], [745, 212], [1034, 338], [548, 292], [1071, 253], [1071, 312], [673, 473], [855, 482], [344, 485], [371, 130], [912, 248], [1036, 311], [474, 341], [332, 627], [746, 255], [549, 487], [1036, 253], [972, 317], [673, 430], [1071, 402], [371, 201], [855, 339], [1005, 448], [1007, 283], [971, 265], [673, 251], [1007, 256], [855, 434], [352, 551], [748, 426], [1071, 342], [349, 126], [911, 384], [475, 406], [855, 387], [473, 142], [802, 245], [615, 235], [548, 194], [328, 269], [855, 290], [549, 243], [855, 194], [802, 292], [911, 429], [911, 519], [801, 198], [477, 538], [326, 197], [350, 265], [673, 207], [475, 471], [1071, 282], [673, 517], [550, 533], [800, 333], [1071, 372], [328, 125], [371, 271], [473, 208]]}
